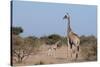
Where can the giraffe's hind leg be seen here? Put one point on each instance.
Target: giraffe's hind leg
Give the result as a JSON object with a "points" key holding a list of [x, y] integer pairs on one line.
{"points": [[76, 55], [71, 50], [77, 52], [78, 48]]}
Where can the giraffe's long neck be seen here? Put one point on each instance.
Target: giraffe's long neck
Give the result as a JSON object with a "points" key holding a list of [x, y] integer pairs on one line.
{"points": [[69, 28]]}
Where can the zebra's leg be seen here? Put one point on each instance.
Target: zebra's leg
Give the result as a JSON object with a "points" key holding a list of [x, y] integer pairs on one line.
{"points": [[49, 52], [53, 52]]}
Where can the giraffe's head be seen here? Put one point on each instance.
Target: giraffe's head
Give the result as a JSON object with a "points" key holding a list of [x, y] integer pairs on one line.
{"points": [[67, 16]]}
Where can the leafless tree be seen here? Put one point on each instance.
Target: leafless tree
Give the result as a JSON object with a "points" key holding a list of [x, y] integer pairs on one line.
{"points": [[22, 52], [21, 49]]}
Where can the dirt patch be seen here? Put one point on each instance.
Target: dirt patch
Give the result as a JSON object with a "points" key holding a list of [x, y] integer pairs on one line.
{"points": [[58, 56]]}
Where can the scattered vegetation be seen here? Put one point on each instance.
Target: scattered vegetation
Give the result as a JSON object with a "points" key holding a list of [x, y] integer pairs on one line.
{"points": [[23, 47], [89, 47], [88, 40]]}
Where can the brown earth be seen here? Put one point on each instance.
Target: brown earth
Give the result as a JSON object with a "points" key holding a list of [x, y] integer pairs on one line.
{"points": [[60, 56]]}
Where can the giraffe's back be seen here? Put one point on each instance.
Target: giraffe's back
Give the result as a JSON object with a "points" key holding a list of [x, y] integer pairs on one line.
{"points": [[74, 38]]}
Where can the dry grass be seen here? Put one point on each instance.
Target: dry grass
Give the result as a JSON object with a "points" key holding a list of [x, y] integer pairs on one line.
{"points": [[87, 53]]}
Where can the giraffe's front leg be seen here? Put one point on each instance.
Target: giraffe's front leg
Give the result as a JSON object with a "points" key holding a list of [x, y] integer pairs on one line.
{"points": [[69, 53], [76, 52], [73, 51]]}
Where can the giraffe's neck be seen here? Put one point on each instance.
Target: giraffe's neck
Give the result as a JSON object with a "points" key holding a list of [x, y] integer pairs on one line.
{"points": [[69, 28]]}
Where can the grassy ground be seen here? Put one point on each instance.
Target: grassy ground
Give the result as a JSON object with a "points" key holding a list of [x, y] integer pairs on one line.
{"points": [[87, 53]]}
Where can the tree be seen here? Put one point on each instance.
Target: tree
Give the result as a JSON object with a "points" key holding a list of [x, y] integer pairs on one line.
{"points": [[22, 52], [44, 39], [20, 49], [52, 39], [16, 30]]}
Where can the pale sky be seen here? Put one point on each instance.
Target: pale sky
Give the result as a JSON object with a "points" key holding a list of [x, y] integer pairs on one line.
{"points": [[40, 19]]}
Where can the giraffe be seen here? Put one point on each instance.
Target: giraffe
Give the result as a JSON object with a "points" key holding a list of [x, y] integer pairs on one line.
{"points": [[73, 39]]}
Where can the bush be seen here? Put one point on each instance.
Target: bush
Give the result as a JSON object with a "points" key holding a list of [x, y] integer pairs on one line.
{"points": [[88, 40], [52, 39]]}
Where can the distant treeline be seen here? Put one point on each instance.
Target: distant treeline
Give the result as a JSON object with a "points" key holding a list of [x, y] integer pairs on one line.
{"points": [[53, 38]]}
